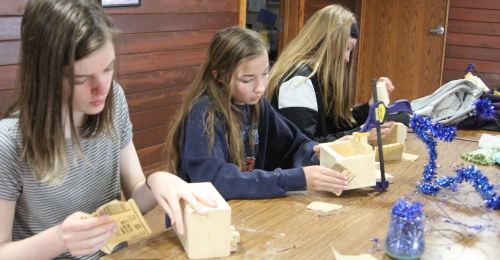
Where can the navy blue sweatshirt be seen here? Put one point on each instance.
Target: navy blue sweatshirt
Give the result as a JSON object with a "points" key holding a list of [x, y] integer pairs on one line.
{"points": [[281, 152]]}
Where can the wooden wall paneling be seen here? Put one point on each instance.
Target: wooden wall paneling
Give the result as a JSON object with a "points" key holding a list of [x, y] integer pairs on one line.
{"points": [[156, 99], [485, 41], [16, 7], [10, 28], [144, 62], [159, 51], [179, 7], [481, 4], [152, 155], [163, 41], [148, 169], [469, 52], [12, 7], [5, 100], [449, 75], [470, 14], [473, 37], [153, 118], [472, 27], [150, 137], [146, 23], [7, 77], [148, 81], [9, 52], [481, 65]]}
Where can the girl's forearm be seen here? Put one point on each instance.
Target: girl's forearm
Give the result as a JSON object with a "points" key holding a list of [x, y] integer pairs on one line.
{"points": [[45, 245], [144, 198]]}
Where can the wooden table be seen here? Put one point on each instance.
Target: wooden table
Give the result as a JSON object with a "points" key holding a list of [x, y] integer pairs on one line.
{"points": [[266, 226]]}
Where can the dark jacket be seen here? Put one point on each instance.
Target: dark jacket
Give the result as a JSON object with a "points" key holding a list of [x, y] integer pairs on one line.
{"points": [[303, 105], [281, 152]]}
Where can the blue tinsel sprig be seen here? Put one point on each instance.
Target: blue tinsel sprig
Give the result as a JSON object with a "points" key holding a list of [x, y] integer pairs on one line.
{"points": [[483, 107], [405, 209]]}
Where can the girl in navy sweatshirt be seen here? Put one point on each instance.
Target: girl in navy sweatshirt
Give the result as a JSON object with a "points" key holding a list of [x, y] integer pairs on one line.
{"points": [[228, 134]]}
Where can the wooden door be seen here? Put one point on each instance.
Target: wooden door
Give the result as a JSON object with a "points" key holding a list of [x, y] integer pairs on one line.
{"points": [[395, 42]]}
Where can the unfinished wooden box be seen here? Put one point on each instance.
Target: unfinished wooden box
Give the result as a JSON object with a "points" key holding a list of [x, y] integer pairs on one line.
{"points": [[354, 155], [207, 236], [393, 143]]}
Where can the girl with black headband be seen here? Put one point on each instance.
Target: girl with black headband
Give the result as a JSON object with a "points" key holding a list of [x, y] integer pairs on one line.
{"points": [[311, 83]]}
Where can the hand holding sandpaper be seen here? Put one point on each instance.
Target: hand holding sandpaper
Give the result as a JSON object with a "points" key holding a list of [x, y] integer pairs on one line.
{"points": [[131, 223]]}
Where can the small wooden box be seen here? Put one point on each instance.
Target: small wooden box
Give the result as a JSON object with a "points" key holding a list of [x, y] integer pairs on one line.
{"points": [[393, 143], [207, 236], [356, 156]]}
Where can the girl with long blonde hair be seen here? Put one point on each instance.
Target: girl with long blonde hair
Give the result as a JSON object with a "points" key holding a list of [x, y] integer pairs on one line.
{"points": [[311, 83]]}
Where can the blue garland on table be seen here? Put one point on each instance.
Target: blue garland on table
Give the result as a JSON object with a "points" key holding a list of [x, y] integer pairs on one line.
{"points": [[428, 131], [480, 182]]}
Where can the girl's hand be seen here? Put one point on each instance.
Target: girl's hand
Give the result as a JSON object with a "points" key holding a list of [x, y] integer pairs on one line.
{"points": [[324, 179], [385, 129], [169, 189], [86, 236], [388, 84]]}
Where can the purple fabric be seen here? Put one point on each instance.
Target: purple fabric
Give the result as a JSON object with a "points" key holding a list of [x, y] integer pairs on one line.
{"points": [[481, 122]]}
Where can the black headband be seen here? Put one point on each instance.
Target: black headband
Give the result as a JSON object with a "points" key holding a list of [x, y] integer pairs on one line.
{"points": [[354, 31]]}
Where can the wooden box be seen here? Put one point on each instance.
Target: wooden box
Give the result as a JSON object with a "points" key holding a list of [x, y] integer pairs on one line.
{"points": [[353, 155], [207, 236], [393, 143]]}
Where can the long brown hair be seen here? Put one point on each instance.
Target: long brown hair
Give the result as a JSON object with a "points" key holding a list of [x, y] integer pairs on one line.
{"points": [[55, 34], [229, 48], [321, 45]]}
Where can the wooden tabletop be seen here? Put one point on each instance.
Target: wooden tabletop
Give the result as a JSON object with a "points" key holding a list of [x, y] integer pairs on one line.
{"points": [[269, 225]]}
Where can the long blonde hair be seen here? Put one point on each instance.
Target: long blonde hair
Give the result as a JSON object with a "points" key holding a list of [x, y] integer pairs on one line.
{"points": [[229, 48], [55, 34], [321, 45]]}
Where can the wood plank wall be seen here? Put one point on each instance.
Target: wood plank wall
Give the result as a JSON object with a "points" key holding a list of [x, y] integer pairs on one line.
{"points": [[473, 37], [162, 44]]}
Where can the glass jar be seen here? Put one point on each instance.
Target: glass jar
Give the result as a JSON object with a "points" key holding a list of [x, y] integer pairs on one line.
{"points": [[405, 238]]}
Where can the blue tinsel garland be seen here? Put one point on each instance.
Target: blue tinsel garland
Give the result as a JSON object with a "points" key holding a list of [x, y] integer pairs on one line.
{"points": [[429, 185]]}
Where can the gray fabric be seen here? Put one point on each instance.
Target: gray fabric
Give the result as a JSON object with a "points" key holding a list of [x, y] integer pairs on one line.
{"points": [[450, 104], [88, 184]]}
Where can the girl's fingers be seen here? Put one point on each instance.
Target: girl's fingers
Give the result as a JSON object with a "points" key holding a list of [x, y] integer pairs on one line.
{"points": [[176, 217], [94, 232], [86, 247], [167, 209], [76, 223], [206, 199]]}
